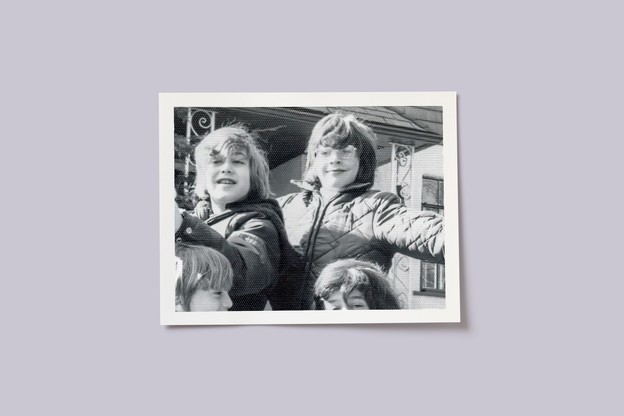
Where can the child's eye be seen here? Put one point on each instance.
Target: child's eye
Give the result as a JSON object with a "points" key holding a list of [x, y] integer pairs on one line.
{"points": [[347, 152]]}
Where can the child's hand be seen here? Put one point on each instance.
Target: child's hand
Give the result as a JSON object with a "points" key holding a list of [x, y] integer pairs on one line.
{"points": [[202, 210], [178, 217]]}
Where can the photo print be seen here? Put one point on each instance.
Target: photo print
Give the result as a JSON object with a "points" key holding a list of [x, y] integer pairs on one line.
{"points": [[308, 208]]}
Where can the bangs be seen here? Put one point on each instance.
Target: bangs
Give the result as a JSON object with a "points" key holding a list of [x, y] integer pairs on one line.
{"points": [[231, 146], [354, 279], [219, 275], [218, 282], [339, 142], [343, 280], [341, 131], [213, 268]]}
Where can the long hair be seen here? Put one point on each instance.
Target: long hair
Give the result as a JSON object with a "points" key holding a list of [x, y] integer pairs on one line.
{"points": [[339, 130], [349, 274], [200, 268], [233, 139]]}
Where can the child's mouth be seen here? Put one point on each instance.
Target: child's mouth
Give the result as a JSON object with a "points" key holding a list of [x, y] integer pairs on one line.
{"points": [[226, 182]]}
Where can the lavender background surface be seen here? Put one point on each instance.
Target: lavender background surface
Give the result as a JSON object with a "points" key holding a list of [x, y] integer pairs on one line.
{"points": [[540, 162]]}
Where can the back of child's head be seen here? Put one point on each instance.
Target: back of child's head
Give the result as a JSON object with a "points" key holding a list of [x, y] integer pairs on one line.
{"points": [[348, 275], [229, 140], [200, 268], [339, 130]]}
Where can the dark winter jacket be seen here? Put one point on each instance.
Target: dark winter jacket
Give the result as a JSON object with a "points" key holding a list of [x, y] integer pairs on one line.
{"points": [[358, 223], [256, 245]]}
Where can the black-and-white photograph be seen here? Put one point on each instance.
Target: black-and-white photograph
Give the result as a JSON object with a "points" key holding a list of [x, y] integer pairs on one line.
{"points": [[275, 209]]}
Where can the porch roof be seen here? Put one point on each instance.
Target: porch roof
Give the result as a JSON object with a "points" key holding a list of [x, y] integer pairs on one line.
{"points": [[284, 131]]}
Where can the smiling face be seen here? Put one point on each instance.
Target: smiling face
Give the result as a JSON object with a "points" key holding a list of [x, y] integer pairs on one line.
{"points": [[336, 168], [228, 177], [210, 300], [354, 300]]}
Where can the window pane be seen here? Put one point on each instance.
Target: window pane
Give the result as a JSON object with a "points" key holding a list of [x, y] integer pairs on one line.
{"points": [[442, 277], [430, 191], [428, 275]]}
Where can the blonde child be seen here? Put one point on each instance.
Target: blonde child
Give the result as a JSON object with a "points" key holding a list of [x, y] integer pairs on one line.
{"points": [[203, 281], [238, 219]]}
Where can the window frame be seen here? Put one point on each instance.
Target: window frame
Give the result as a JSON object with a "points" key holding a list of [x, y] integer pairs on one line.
{"points": [[439, 268]]}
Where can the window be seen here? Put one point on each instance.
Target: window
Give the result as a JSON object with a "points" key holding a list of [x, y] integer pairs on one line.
{"points": [[432, 279]]}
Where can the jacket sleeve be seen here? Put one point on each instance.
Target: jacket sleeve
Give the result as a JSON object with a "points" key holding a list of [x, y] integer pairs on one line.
{"points": [[418, 234], [252, 249]]}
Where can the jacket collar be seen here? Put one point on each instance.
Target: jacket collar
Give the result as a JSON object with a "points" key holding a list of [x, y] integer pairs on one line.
{"points": [[269, 207]]}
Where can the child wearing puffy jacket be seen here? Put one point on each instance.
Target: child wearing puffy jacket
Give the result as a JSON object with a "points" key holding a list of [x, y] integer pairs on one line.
{"points": [[239, 219], [337, 216]]}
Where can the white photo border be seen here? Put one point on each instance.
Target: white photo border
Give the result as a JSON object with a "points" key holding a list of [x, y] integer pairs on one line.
{"points": [[167, 103]]}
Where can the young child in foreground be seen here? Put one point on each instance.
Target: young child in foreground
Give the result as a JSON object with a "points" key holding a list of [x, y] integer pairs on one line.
{"points": [[204, 279], [354, 284]]}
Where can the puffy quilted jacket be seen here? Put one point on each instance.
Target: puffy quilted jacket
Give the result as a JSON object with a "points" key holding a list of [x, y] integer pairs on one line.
{"points": [[358, 223]]}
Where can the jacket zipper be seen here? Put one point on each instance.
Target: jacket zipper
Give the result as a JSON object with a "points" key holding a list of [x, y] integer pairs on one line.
{"points": [[314, 234]]}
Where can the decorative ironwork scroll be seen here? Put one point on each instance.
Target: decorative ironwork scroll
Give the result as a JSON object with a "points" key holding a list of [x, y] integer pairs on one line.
{"points": [[399, 273], [199, 122], [403, 162]]}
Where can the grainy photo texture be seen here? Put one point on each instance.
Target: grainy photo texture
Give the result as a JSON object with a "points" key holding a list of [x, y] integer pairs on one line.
{"points": [[308, 208]]}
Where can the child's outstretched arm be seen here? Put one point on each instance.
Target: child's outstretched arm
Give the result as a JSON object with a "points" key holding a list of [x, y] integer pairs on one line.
{"points": [[418, 234], [253, 251]]}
